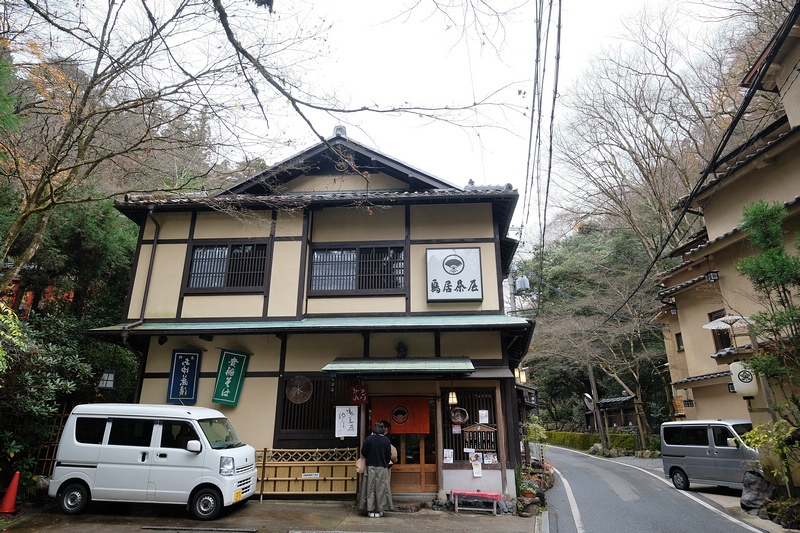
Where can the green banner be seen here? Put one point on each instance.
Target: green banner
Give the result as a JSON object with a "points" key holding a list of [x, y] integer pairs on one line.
{"points": [[230, 377]]}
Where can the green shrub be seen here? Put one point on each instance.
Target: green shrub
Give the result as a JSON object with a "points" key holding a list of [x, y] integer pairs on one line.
{"points": [[584, 441]]}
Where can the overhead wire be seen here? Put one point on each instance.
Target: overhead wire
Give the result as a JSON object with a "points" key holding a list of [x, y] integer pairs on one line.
{"points": [[713, 161], [526, 198]]}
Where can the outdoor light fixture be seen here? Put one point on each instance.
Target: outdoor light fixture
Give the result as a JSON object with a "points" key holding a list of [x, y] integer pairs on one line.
{"points": [[712, 276], [452, 399], [523, 377], [107, 380], [516, 374]]}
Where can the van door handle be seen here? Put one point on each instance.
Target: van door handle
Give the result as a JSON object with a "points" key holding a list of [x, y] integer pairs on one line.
{"points": [[144, 457], [162, 456]]}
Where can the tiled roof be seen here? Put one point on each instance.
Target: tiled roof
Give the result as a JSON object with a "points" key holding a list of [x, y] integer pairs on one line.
{"points": [[735, 230], [619, 399], [303, 198], [703, 377], [765, 141], [677, 288], [666, 273]]}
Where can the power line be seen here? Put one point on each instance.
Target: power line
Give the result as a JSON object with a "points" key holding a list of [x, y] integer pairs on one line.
{"points": [[751, 91]]}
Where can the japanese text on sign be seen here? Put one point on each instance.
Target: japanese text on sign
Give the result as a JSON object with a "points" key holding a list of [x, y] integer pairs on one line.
{"points": [[346, 421], [454, 274], [230, 377]]}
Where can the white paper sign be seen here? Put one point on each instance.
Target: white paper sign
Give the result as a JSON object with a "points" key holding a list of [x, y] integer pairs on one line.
{"points": [[477, 470], [483, 416], [346, 420]]}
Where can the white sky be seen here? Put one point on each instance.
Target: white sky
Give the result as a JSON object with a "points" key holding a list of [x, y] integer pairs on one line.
{"points": [[377, 55]]}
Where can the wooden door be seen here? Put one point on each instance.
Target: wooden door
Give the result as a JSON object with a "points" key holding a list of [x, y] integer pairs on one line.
{"points": [[415, 470]]}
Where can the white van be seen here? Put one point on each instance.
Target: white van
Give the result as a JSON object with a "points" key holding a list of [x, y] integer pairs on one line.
{"points": [[152, 453], [707, 451]]}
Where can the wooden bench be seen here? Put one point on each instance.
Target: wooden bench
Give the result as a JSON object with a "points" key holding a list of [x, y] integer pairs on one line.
{"points": [[476, 496]]}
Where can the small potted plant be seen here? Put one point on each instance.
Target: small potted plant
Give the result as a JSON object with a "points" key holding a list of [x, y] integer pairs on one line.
{"points": [[528, 489]]}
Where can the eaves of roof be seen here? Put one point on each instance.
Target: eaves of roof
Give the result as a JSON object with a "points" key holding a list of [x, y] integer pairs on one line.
{"points": [[767, 140], [735, 230], [667, 273], [677, 288], [325, 325], [704, 377], [363, 157], [619, 399], [183, 201]]}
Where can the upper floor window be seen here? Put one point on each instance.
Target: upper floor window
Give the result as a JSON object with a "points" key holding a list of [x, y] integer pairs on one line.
{"points": [[228, 265], [358, 269], [679, 342], [722, 337]]}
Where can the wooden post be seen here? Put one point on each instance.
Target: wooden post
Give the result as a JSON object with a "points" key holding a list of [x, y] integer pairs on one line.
{"points": [[502, 454]]}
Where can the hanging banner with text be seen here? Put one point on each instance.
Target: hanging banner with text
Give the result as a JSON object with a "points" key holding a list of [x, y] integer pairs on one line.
{"points": [[346, 421], [230, 377], [454, 274], [183, 374]]}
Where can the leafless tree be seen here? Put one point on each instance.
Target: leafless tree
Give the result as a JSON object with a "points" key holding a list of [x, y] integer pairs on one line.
{"points": [[644, 121], [131, 97]]}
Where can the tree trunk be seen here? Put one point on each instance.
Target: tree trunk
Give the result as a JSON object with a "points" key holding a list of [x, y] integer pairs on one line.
{"points": [[38, 237]]}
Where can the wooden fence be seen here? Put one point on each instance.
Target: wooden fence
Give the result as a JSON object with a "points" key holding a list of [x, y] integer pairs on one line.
{"points": [[304, 472]]}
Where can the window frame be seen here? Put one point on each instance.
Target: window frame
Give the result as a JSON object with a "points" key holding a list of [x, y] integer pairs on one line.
{"points": [[229, 258], [359, 275], [679, 342], [722, 338]]}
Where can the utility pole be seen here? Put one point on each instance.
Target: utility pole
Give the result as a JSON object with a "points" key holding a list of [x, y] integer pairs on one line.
{"points": [[600, 425]]}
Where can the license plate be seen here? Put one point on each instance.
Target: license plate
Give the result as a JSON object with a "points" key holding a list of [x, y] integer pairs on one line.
{"points": [[237, 496]]}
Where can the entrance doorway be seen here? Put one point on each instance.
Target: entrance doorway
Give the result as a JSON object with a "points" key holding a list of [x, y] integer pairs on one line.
{"points": [[416, 470]]}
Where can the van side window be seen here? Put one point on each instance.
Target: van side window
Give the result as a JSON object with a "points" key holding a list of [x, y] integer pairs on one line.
{"points": [[673, 435], [696, 435], [130, 432], [721, 436], [177, 434], [90, 430]]}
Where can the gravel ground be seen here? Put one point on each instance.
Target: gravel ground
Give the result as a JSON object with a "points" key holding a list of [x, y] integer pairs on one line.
{"points": [[647, 464]]}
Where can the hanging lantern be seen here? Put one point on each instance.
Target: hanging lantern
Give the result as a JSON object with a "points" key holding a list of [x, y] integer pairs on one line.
{"points": [[744, 380], [452, 399]]}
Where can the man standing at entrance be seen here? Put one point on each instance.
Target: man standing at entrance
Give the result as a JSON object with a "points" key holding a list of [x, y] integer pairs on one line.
{"points": [[376, 495]]}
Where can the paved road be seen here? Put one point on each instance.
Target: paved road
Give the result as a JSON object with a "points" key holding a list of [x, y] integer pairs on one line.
{"points": [[595, 495], [269, 517]]}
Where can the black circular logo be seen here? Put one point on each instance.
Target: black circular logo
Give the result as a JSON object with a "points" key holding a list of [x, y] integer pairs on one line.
{"points": [[745, 376], [400, 415], [453, 264]]}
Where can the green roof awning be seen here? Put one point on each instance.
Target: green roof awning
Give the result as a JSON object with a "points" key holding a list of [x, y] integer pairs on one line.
{"points": [[386, 365], [321, 325]]}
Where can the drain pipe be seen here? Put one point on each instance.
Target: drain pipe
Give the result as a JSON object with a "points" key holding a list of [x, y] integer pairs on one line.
{"points": [[127, 327]]}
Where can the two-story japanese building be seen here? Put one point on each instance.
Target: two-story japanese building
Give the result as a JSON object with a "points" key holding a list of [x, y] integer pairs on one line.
{"points": [[335, 289]]}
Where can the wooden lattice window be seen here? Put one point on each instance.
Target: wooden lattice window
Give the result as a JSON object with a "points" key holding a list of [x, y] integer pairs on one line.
{"points": [[218, 266], [459, 433], [312, 421], [358, 270]]}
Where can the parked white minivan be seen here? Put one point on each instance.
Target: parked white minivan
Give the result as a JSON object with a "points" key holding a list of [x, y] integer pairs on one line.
{"points": [[707, 451], [152, 453]]}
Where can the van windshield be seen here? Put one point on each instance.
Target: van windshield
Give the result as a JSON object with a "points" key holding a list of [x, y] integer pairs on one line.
{"points": [[220, 433], [741, 429]]}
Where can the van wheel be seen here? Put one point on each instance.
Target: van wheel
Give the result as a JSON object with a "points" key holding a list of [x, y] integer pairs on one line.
{"points": [[74, 498], [679, 479], [206, 504]]}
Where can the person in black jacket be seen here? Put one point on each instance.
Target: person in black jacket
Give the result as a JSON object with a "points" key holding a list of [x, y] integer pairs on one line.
{"points": [[376, 494]]}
